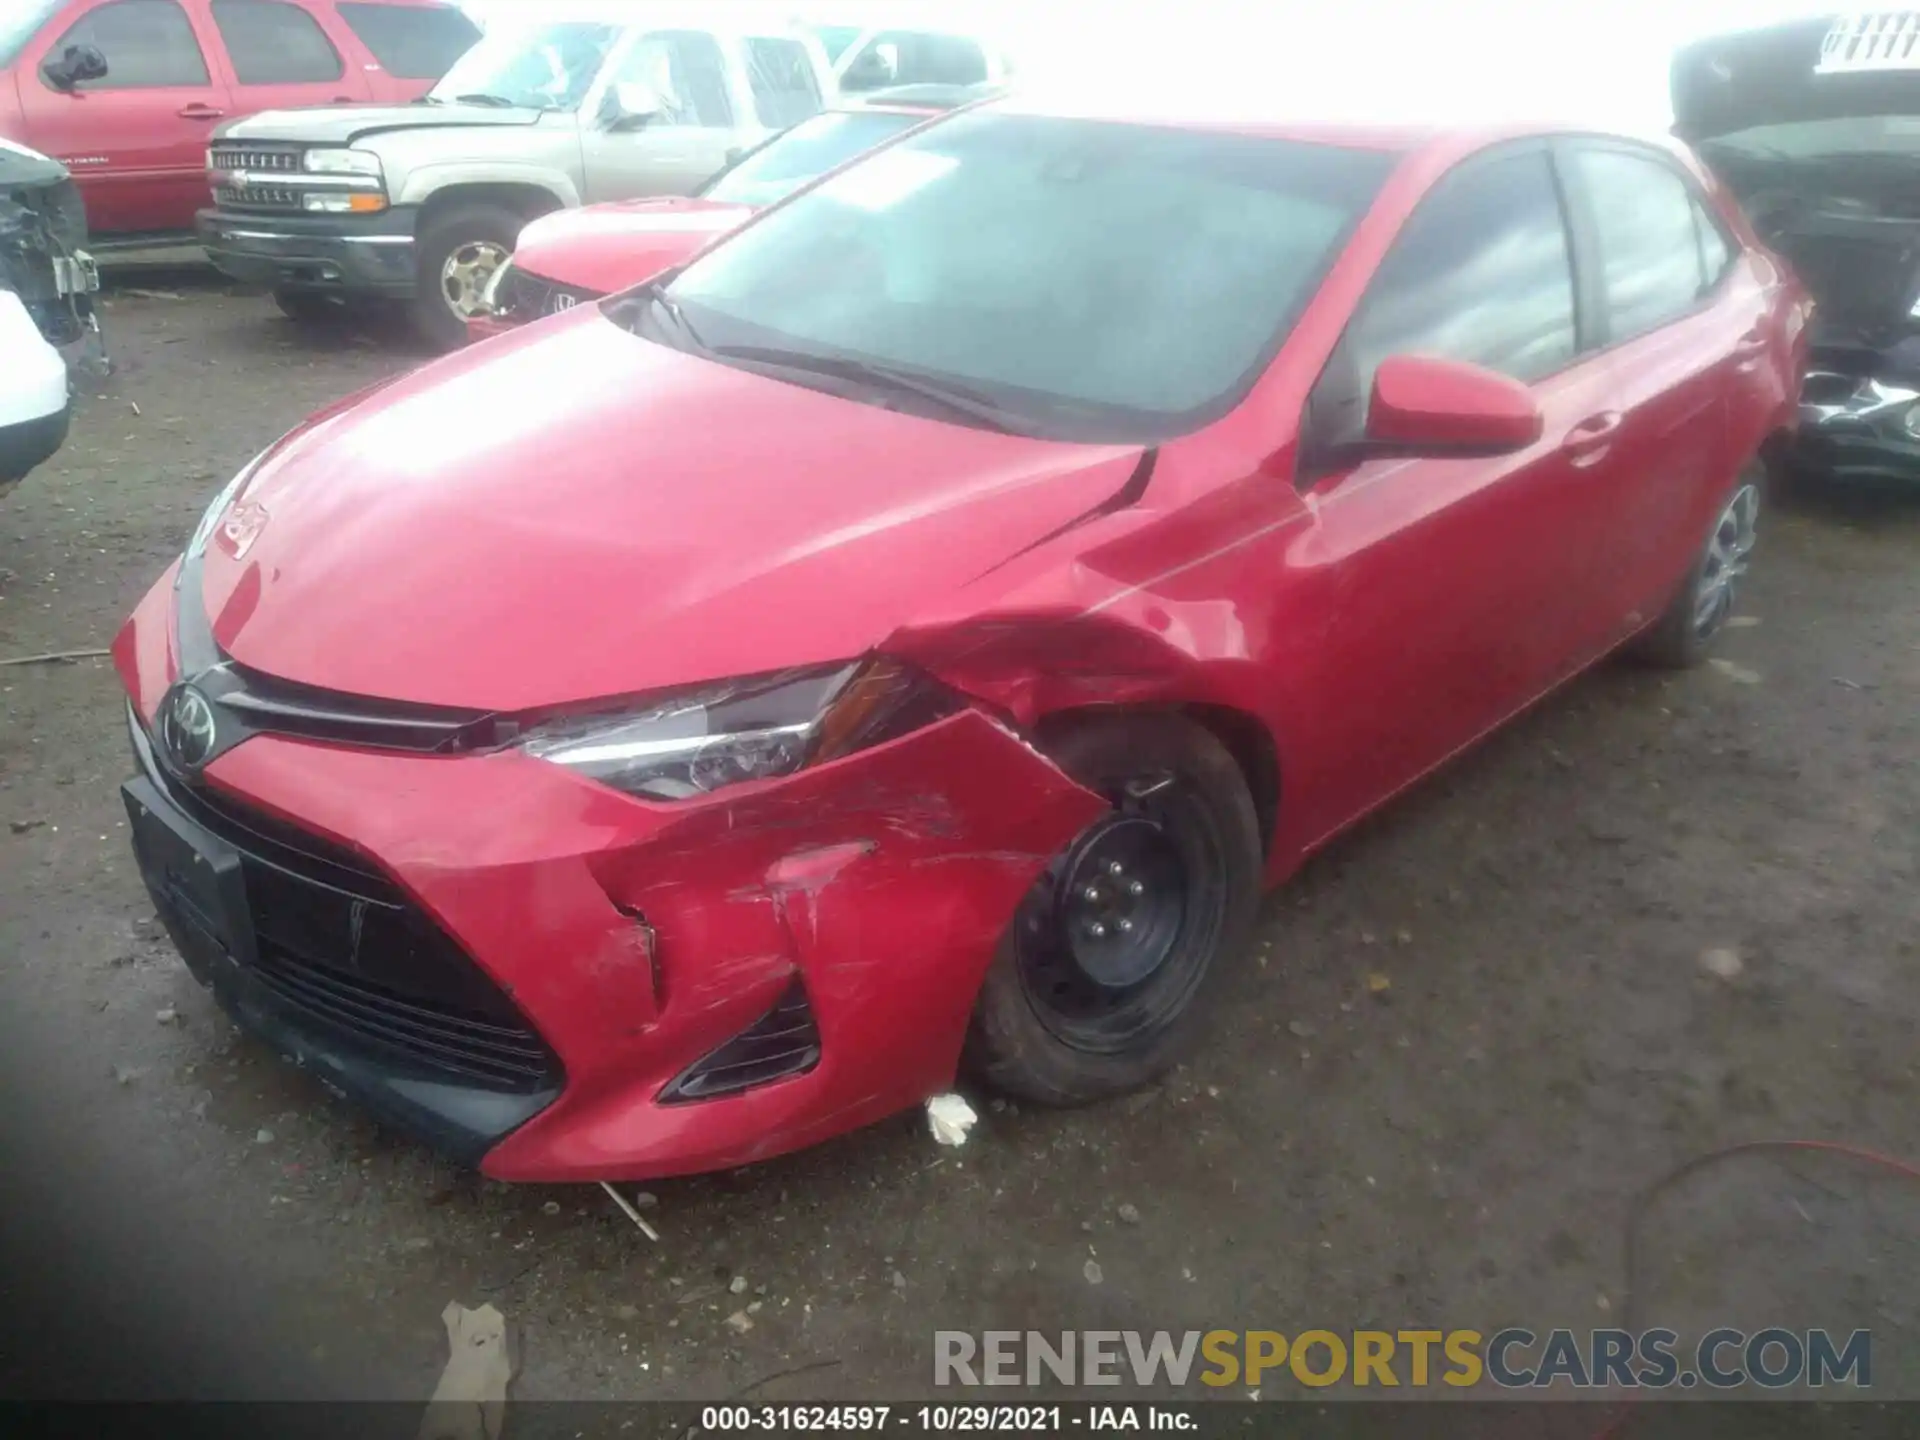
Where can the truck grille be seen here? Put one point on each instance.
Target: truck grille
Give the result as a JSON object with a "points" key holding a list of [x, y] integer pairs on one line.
{"points": [[278, 161], [1872, 40], [257, 197]]}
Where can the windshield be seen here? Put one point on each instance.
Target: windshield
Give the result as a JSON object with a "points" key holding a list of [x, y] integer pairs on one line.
{"points": [[810, 148], [20, 20], [1810, 139], [1091, 280], [543, 67]]}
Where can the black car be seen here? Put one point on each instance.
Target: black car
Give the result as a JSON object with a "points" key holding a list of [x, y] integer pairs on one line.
{"points": [[1815, 126]]}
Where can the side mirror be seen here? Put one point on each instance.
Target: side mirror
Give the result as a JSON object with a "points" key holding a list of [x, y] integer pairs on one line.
{"points": [[1427, 406], [630, 105], [76, 66]]}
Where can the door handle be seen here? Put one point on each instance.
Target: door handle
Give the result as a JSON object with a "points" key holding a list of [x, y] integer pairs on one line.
{"points": [[1588, 442], [198, 111]]}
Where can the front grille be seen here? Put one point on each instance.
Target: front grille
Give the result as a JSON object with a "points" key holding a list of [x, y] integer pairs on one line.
{"points": [[528, 297], [284, 161], [256, 197], [782, 1043], [1871, 40], [345, 948]]}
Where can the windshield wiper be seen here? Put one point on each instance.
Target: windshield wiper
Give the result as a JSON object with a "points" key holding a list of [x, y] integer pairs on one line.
{"points": [[957, 399], [654, 293], [493, 102]]}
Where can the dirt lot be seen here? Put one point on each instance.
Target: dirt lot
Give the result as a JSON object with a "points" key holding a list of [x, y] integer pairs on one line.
{"points": [[189, 1216]]}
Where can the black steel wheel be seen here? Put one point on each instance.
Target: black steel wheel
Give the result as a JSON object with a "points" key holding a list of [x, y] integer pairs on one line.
{"points": [[1098, 982]]}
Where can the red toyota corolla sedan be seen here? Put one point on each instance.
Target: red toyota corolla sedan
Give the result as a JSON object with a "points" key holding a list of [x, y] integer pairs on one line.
{"points": [[572, 256], [914, 635]]}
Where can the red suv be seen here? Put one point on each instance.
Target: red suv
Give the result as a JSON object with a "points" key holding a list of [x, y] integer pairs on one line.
{"points": [[125, 93], [920, 627]]}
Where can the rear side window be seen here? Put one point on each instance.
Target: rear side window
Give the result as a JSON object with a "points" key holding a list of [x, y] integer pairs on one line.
{"points": [[780, 73], [411, 42], [273, 43], [1482, 272], [1647, 224], [687, 71], [147, 43]]}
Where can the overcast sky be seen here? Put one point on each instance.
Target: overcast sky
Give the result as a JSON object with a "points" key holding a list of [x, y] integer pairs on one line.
{"points": [[1469, 59]]}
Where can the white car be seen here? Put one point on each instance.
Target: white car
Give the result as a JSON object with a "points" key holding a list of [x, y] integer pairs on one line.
{"points": [[46, 284]]}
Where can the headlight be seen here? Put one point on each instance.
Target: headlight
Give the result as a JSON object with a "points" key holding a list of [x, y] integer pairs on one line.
{"points": [[210, 521], [692, 744], [342, 162], [352, 202], [490, 297]]}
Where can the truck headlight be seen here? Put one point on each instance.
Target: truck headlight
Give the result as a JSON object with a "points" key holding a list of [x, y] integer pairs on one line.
{"points": [[342, 162]]}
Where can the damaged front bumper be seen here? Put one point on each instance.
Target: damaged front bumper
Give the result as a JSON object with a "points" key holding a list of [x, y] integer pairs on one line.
{"points": [[559, 983], [1860, 427]]}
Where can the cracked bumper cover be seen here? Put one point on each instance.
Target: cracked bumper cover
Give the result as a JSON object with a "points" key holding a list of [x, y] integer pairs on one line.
{"points": [[883, 882]]}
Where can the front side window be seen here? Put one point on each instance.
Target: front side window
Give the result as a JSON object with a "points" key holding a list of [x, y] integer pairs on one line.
{"points": [[1645, 221], [1481, 272], [1084, 279], [148, 44], [687, 72], [411, 42], [808, 150], [915, 57], [273, 43], [1716, 254], [785, 89], [540, 67]]}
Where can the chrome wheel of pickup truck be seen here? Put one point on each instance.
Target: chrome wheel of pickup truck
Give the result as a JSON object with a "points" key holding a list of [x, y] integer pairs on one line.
{"points": [[457, 253]]}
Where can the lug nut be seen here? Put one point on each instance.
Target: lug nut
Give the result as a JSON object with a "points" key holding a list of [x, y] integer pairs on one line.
{"points": [[1134, 887], [1126, 927], [1091, 894], [1097, 930], [1115, 868]]}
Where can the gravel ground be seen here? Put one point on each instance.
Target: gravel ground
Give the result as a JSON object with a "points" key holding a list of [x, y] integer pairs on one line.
{"points": [[1659, 916]]}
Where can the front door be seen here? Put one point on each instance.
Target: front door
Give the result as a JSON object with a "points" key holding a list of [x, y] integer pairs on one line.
{"points": [[136, 139], [682, 145], [1437, 597]]}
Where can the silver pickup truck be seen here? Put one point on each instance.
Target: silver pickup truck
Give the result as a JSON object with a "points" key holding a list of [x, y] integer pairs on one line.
{"points": [[419, 204]]}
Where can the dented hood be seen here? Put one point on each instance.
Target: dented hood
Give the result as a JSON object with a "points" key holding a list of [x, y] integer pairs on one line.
{"points": [[605, 248], [572, 512], [1826, 67]]}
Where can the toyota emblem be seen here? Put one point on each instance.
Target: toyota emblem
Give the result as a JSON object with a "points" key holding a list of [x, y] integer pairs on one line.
{"points": [[188, 727]]}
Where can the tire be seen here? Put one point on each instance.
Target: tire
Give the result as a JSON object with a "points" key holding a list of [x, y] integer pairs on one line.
{"points": [[470, 231], [1066, 1019], [310, 307], [1683, 637]]}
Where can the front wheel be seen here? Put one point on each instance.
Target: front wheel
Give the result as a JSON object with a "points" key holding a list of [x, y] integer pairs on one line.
{"points": [[1101, 980], [456, 255], [1699, 612]]}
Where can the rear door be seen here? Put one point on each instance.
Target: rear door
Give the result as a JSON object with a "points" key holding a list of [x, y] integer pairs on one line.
{"points": [[1442, 582], [135, 139], [704, 116], [280, 58], [412, 45], [1681, 325]]}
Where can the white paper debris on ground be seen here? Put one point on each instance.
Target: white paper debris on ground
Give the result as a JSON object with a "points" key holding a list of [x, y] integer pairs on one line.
{"points": [[470, 1402], [950, 1117]]}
